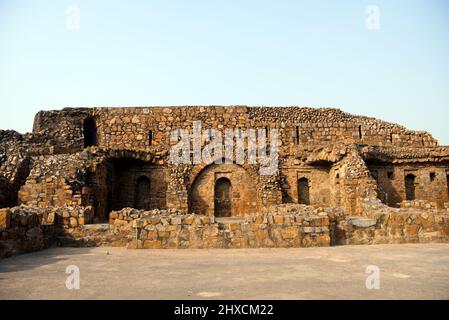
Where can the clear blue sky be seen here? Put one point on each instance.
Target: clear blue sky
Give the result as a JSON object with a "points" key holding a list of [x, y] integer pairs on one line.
{"points": [[314, 53]]}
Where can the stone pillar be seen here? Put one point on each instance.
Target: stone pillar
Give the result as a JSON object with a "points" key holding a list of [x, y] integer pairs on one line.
{"points": [[177, 193], [357, 183]]}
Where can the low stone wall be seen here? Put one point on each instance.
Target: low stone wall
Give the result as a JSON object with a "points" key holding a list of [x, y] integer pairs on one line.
{"points": [[416, 222], [284, 226], [20, 231], [72, 217], [68, 217], [25, 229]]}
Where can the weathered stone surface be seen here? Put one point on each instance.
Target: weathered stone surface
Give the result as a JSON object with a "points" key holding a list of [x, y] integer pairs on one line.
{"points": [[98, 164], [363, 222]]}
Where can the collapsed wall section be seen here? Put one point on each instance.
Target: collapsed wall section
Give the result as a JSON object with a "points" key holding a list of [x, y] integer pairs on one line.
{"points": [[14, 167]]}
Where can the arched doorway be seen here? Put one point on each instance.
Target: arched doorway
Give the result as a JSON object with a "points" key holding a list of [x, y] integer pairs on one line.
{"points": [[142, 200], [303, 191], [410, 186], [244, 194], [222, 198], [90, 132]]}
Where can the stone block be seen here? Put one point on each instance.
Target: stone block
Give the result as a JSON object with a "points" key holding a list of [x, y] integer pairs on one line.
{"points": [[163, 234], [308, 229], [235, 226], [175, 221], [155, 220], [278, 219], [171, 228], [205, 220], [51, 217], [113, 215], [364, 222], [5, 218], [73, 222], [189, 219], [151, 244], [323, 240], [289, 232], [411, 229]]}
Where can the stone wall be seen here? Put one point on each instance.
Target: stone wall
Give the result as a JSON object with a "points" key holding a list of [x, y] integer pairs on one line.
{"points": [[20, 231], [315, 188], [14, 166], [418, 204], [415, 221], [23, 229], [79, 165], [285, 226], [26, 229], [393, 227], [337, 177], [312, 140], [430, 182], [55, 180], [67, 135], [132, 127]]}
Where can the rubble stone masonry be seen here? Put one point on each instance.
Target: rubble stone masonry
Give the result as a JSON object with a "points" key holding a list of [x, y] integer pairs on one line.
{"points": [[104, 177]]}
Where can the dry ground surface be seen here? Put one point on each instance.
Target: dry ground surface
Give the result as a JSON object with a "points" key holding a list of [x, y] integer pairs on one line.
{"points": [[407, 271]]}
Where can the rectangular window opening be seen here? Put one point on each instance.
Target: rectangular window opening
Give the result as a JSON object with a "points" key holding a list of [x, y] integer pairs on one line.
{"points": [[432, 176]]}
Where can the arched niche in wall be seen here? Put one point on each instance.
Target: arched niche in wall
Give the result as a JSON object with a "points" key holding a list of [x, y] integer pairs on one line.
{"points": [[220, 182]]}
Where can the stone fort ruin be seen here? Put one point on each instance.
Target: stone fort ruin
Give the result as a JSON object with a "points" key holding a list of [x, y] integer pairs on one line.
{"points": [[102, 176]]}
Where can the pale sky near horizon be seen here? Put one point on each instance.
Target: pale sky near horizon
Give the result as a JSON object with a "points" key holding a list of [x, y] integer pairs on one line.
{"points": [[308, 53]]}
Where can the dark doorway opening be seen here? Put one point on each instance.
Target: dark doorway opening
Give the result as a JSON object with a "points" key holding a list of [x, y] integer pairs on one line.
{"points": [[222, 198], [410, 187], [90, 132], [303, 191], [142, 200]]}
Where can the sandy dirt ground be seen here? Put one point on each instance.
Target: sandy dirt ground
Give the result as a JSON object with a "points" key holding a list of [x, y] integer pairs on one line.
{"points": [[406, 271]]}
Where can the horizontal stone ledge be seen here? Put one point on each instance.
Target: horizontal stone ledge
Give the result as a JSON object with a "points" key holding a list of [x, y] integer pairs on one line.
{"points": [[362, 222]]}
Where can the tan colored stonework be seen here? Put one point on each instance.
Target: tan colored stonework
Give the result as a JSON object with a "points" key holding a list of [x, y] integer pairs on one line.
{"points": [[332, 166]]}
